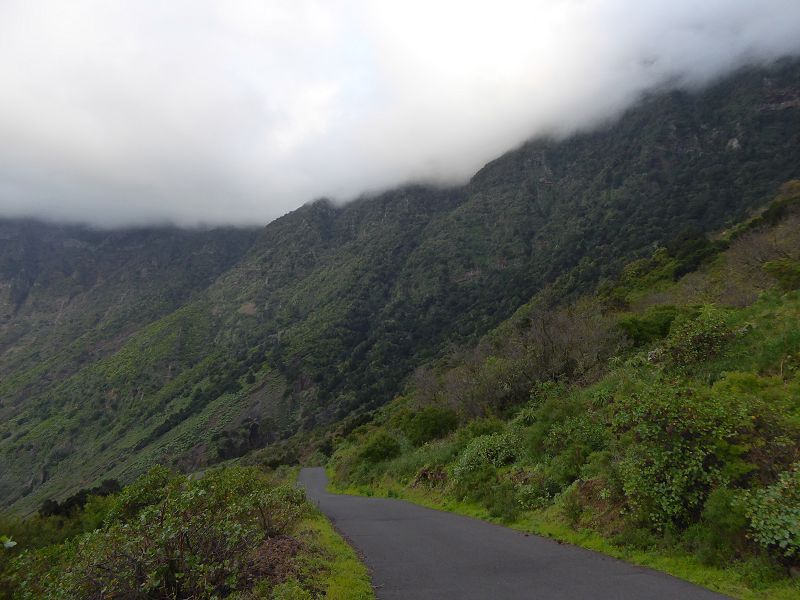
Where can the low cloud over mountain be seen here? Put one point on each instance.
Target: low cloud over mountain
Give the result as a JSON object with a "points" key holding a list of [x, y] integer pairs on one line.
{"points": [[204, 111]]}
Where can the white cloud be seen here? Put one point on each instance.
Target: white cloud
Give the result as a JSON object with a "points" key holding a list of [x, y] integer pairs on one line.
{"points": [[217, 111]]}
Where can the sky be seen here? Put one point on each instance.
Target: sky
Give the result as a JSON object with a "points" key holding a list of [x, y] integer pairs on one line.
{"points": [[234, 112]]}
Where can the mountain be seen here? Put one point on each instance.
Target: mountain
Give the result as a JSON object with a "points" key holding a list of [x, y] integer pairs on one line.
{"points": [[657, 419], [121, 350]]}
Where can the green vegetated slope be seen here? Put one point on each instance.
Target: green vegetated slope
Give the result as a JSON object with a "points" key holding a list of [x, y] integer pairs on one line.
{"points": [[69, 295], [657, 419], [332, 308], [232, 533]]}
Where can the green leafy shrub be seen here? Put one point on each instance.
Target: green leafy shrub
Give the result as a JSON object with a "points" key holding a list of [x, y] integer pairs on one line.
{"points": [[151, 488], [381, 446], [677, 442], [653, 325], [719, 535], [429, 423], [634, 536], [202, 538], [699, 339], [501, 501], [534, 494], [496, 449], [774, 514]]}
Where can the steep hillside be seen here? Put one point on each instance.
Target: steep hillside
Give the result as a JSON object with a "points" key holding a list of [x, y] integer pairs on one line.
{"points": [[70, 295], [658, 420], [331, 308]]}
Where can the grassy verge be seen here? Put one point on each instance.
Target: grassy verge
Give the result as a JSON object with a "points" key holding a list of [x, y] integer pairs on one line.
{"points": [[340, 573], [746, 580]]}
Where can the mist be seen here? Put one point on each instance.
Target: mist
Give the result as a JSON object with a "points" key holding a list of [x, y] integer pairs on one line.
{"points": [[194, 112]]}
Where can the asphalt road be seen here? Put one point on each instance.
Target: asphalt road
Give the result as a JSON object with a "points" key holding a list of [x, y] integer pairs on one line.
{"points": [[419, 553]]}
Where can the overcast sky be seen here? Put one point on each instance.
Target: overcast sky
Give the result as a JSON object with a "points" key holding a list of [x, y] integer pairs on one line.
{"points": [[237, 111]]}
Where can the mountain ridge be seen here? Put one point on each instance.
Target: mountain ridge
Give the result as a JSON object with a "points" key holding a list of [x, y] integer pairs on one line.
{"points": [[326, 311]]}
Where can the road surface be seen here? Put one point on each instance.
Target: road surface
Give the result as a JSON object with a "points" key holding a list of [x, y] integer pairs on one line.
{"points": [[416, 553]]}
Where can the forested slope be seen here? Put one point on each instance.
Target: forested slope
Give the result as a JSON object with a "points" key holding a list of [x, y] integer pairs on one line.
{"points": [[328, 309], [658, 419]]}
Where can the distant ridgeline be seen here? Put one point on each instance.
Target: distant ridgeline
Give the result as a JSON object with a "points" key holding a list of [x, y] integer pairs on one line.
{"points": [[122, 350]]}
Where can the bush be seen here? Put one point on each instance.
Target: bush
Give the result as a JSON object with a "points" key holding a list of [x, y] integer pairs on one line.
{"points": [[697, 340], [381, 446], [501, 502], [774, 514], [428, 424], [202, 538], [496, 449], [653, 325], [678, 442], [719, 535]]}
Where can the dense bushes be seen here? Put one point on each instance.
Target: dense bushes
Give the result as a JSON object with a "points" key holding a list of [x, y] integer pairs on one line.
{"points": [[774, 514], [678, 441], [698, 339], [493, 450], [428, 423], [677, 451], [379, 447], [719, 536], [169, 536], [650, 326]]}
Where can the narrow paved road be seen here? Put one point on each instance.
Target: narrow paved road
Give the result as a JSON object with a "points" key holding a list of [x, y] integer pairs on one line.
{"points": [[416, 553]]}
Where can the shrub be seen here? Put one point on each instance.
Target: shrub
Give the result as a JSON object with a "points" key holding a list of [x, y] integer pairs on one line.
{"points": [[653, 325], [151, 488], [428, 424], [501, 501], [699, 339], [719, 535], [496, 449], [537, 486], [203, 538], [381, 446], [774, 514], [678, 441]]}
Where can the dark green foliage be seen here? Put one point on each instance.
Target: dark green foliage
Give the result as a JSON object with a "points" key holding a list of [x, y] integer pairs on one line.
{"points": [[379, 447], [652, 325], [690, 249], [719, 536], [480, 427], [77, 501], [679, 440], [428, 423]]}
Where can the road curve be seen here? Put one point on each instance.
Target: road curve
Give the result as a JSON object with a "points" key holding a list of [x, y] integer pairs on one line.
{"points": [[416, 553]]}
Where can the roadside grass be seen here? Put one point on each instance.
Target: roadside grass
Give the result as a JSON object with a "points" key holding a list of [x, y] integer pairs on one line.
{"points": [[338, 571], [748, 580]]}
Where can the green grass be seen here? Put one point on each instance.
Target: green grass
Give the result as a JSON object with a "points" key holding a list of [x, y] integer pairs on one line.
{"points": [[747, 580], [342, 575]]}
